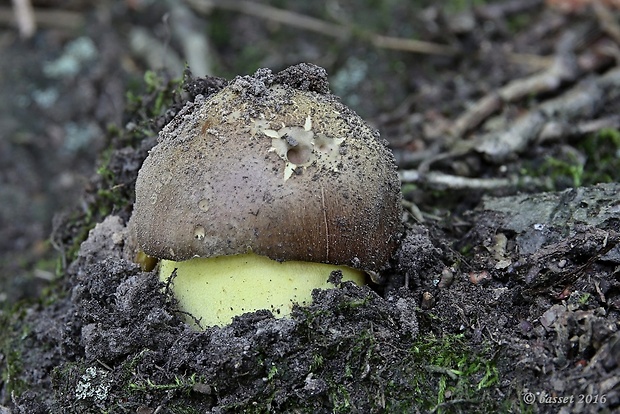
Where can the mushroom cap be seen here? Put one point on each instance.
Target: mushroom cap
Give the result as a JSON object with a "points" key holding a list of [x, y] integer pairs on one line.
{"points": [[269, 166]]}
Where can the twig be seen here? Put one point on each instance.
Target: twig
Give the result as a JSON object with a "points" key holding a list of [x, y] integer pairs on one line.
{"points": [[60, 19], [607, 20], [188, 31], [494, 11], [563, 69], [530, 60], [410, 45], [274, 14], [563, 129], [313, 24], [497, 146], [442, 181], [413, 210], [25, 18], [582, 101], [154, 52], [406, 158], [475, 115]]}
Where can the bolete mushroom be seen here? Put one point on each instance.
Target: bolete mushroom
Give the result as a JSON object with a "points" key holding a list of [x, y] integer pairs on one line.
{"points": [[257, 193]]}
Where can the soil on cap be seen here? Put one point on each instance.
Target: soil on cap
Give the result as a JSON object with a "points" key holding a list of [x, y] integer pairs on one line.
{"points": [[225, 178]]}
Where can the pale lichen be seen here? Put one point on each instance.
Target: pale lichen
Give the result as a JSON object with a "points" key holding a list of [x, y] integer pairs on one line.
{"points": [[93, 385]]}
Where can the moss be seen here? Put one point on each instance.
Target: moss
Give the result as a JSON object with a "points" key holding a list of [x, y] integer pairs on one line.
{"points": [[152, 96], [353, 303], [11, 371], [519, 22], [88, 388], [603, 157], [458, 6], [181, 385], [444, 375], [593, 160], [568, 170], [340, 399]]}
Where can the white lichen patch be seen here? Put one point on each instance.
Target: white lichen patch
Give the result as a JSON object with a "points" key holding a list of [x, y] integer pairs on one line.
{"points": [[93, 385]]}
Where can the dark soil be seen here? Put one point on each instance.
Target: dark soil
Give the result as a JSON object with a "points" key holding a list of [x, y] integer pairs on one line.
{"points": [[503, 296]]}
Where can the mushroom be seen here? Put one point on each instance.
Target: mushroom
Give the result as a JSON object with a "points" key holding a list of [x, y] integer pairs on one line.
{"points": [[256, 194]]}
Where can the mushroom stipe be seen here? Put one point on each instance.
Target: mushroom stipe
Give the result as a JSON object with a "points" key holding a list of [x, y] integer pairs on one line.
{"points": [[216, 289], [272, 165]]}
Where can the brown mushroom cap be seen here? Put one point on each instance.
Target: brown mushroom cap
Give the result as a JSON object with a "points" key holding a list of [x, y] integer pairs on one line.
{"points": [[265, 167]]}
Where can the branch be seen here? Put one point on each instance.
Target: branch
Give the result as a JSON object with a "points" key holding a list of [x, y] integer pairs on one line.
{"points": [[441, 181], [313, 24], [564, 68], [24, 16], [584, 100], [61, 19]]}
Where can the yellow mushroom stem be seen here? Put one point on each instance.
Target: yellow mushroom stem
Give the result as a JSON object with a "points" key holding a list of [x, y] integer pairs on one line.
{"points": [[214, 290]]}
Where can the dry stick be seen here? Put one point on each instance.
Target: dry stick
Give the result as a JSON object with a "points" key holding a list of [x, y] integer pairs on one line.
{"points": [[342, 32], [555, 130], [442, 181], [278, 15], [501, 10], [564, 68], [153, 51], [188, 31], [498, 145], [60, 19], [607, 20], [541, 123], [527, 59], [582, 101], [25, 18], [475, 115], [320, 26], [410, 45]]}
